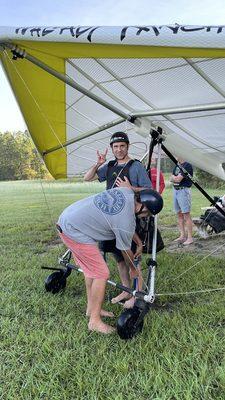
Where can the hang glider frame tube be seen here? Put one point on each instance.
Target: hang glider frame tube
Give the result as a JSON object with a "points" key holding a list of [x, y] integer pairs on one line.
{"points": [[84, 136], [180, 110]]}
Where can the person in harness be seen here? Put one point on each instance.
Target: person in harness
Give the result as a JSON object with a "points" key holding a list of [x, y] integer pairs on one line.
{"points": [[116, 173]]}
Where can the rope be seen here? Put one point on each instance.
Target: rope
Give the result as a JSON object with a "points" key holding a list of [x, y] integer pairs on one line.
{"points": [[192, 266], [192, 292], [208, 255], [36, 103]]}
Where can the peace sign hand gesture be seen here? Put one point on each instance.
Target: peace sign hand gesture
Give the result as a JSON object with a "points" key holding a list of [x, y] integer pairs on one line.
{"points": [[101, 157]]}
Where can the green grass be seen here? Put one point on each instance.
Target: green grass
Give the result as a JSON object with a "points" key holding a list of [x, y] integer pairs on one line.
{"points": [[46, 350]]}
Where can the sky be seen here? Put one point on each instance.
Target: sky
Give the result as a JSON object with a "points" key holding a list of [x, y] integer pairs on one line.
{"points": [[96, 12]]}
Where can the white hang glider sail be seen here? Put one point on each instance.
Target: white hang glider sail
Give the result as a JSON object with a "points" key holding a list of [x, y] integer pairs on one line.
{"points": [[77, 85]]}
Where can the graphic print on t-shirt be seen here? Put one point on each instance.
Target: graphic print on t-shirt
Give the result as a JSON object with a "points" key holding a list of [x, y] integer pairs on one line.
{"points": [[110, 202]]}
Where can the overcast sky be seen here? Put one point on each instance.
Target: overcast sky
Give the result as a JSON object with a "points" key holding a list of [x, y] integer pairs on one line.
{"points": [[97, 12]]}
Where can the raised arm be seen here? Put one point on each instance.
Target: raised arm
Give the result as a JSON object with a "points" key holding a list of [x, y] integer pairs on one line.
{"points": [[91, 174]]}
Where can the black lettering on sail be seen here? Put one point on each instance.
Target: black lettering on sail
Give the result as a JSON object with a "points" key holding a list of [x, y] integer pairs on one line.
{"points": [[139, 30], [218, 28], [71, 29], [79, 31], [192, 28], [89, 36], [47, 31], [23, 30], [35, 30], [174, 29]]}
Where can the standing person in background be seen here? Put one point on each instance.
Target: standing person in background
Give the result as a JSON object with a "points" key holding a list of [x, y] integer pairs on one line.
{"points": [[182, 201], [153, 176], [113, 172]]}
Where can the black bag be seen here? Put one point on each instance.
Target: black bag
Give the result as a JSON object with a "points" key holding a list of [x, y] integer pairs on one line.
{"points": [[145, 231], [215, 219]]}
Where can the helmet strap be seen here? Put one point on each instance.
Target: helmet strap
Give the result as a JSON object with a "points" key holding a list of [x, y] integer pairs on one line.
{"points": [[141, 209]]}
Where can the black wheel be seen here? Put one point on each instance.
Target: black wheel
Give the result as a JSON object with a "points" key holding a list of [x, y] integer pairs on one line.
{"points": [[128, 325], [55, 282]]}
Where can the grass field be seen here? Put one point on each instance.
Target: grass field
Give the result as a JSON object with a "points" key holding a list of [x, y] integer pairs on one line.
{"points": [[46, 350]]}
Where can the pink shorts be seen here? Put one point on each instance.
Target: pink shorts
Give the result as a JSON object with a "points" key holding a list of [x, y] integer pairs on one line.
{"points": [[88, 257]]}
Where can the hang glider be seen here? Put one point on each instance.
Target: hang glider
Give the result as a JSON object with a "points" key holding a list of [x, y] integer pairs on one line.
{"points": [[75, 86]]}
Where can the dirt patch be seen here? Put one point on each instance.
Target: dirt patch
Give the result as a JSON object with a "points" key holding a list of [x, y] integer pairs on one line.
{"points": [[213, 246], [53, 243]]}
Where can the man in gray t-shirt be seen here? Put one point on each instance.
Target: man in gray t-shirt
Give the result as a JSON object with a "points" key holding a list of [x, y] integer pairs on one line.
{"points": [[108, 215], [105, 216]]}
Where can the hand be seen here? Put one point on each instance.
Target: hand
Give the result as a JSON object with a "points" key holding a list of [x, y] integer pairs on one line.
{"points": [[123, 183], [134, 272], [139, 250], [101, 157]]}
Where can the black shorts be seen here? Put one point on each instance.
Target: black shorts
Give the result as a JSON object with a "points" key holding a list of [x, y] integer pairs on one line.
{"points": [[109, 246]]}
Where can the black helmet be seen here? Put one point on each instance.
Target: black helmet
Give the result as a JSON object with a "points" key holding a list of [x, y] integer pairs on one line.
{"points": [[152, 200], [119, 137]]}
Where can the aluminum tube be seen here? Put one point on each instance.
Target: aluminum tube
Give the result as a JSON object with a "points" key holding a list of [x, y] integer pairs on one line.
{"points": [[151, 294], [85, 135], [179, 110]]}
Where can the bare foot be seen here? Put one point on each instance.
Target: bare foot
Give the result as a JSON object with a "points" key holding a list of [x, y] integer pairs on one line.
{"points": [[122, 296], [103, 313], [180, 239], [100, 327], [187, 242], [129, 303]]}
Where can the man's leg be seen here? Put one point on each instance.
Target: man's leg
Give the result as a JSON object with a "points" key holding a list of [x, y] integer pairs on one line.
{"points": [[186, 208], [180, 218], [125, 280], [130, 303], [103, 313], [181, 227], [97, 295], [90, 260], [88, 283], [189, 225]]}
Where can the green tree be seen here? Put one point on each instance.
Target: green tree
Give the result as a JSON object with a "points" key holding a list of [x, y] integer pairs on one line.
{"points": [[19, 158], [207, 180]]}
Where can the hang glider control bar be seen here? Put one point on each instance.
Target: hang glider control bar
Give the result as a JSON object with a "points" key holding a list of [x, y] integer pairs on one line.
{"points": [[131, 117]]}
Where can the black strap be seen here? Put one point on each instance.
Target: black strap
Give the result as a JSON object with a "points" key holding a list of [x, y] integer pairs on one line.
{"points": [[59, 228], [124, 171]]}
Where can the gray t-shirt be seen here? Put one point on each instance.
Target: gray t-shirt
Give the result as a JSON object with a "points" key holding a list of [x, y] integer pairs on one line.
{"points": [[137, 173], [105, 216]]}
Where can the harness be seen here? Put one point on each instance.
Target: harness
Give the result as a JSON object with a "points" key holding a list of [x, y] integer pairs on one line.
{"points": [[144, 226], [115, 170]]}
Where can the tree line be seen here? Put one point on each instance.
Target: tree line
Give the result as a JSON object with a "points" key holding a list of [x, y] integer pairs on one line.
{"points": [[19, 159]]}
